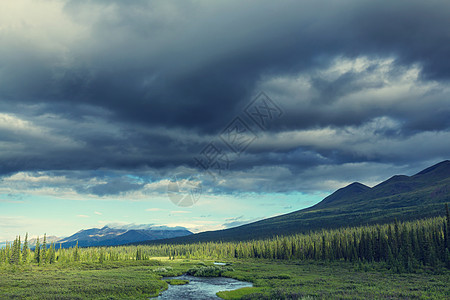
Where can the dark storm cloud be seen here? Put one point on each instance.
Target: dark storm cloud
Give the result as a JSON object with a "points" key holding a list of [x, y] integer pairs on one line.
{"points": [[50, 142], [146, 84], [114, 187], [191, 65]]}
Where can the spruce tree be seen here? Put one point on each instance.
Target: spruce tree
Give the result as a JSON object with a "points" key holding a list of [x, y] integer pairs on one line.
{"points": [[44, 249], [396, 237], [369, 246], [406, 251], [377, 245], [7, 252], [19, 252], [101, 257], [37, 251], [76, 254], [324, 249], [361, 248], [51, 253], [447, 258], [447, 231], [25, 249], [138, 254], [15, 252]]}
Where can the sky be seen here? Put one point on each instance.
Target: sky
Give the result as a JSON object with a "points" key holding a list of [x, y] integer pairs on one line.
{"points": [[210, 115]]}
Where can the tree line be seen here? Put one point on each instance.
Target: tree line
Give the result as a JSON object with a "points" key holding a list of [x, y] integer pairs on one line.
{"points": [[16, 253], [403, 246]]}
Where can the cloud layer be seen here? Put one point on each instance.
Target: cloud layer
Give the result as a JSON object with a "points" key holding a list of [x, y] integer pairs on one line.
{"points": [[112, 98]]}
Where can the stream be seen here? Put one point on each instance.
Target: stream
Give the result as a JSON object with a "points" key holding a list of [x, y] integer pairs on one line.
{"points": [[200, 288]]}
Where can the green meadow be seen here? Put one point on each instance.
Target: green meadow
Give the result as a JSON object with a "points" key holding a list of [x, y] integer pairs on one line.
{"points": [[272, 279], [401, 260]]}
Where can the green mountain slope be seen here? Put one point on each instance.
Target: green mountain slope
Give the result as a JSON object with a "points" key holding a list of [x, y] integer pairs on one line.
{"points": [[402, 197]]}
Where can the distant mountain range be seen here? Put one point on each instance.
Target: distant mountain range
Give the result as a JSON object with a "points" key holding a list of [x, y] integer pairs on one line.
{"points": [[50, 239], [400, 197], [108, 236], [32, 242], [113, 235]]}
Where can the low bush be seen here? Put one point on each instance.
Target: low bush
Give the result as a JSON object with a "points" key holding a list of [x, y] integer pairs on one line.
{"points": [[208, 271]]}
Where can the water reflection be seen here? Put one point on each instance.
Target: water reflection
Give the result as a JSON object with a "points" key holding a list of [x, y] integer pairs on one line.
{"points": [[200, 288]]}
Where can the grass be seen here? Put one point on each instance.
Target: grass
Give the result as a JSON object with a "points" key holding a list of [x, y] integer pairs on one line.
{"points": [[337, 280], [272, 280], [118, 280], [78, 282], [239, 293], [177, 281]]}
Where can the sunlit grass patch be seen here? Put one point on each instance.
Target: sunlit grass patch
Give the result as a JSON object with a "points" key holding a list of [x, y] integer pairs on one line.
{"points": [[239, 293], [177, 281]]}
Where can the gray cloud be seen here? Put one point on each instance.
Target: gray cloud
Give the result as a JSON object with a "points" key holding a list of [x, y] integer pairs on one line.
{"points": [[238, 221], [129, 87]]}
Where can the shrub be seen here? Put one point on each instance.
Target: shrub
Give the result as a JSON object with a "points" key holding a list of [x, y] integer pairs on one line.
{"points": [[162, 269], [210, 271]]}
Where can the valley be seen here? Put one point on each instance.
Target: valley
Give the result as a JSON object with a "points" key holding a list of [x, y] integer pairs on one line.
{"points": [[312, 253]]}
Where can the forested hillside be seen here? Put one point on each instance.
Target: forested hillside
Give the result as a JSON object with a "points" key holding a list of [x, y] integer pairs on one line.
{"points": [[400, 197]]}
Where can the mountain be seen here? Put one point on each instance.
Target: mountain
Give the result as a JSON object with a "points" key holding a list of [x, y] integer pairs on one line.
{"points": [[32, 242], [353, 190], [400, 197], [109, 236], [49, 239]]}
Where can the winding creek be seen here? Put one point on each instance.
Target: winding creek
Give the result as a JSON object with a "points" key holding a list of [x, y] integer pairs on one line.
{"points": [[200, 288]]}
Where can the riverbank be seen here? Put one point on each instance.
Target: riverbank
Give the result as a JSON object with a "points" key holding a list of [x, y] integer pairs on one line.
{"points": [[200, 288], [142, 279]]}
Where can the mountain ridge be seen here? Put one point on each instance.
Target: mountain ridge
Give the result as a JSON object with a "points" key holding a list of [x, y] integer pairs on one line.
{"points": [[108, 236], [399, 197]]}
